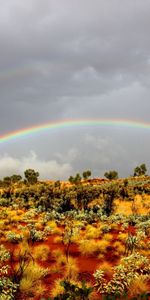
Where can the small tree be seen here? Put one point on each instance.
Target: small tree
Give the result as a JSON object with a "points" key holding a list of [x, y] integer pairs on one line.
{"points": [[111, 175], [109, 196], [15, 178], [7, 181], [86, 174], [76, 179], [69, 232], [140, 170], [31, 176]]}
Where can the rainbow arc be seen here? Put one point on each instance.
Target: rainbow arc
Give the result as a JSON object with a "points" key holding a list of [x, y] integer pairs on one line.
{"points": [[72, 123]]}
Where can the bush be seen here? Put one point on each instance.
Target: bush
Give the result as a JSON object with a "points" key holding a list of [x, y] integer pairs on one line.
{"points": [[7, 287]]}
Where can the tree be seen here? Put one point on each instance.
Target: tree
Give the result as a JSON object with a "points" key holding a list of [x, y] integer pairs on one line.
{"points": [[109, 196], [111, 174], [86, 174], [140, 170], [7, 181], [15, 178], [31, 176], [76, 179]]}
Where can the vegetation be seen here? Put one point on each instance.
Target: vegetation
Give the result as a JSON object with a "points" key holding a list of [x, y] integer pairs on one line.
{"points": [[111, 174], [76, 240], [140, 170]]}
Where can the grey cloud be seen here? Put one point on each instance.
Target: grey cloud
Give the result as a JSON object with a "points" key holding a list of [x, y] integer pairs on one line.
{"points": [[47, 169], [74, 59]]}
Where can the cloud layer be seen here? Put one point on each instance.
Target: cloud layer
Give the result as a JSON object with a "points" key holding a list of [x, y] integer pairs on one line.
{"points": [[74, 59], [47, 169]]}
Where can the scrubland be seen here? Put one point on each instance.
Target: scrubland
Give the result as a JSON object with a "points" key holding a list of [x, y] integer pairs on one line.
{"points": [[89, 240]]}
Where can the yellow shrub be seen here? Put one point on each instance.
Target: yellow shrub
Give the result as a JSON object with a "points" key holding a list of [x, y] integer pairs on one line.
{"points": [[122, 237], [88, 247], [22, 250], [54, 228], [57, 289], [39, 290], [61, 260], [100, 256], [41, 252], [58, 240], [102, 246], [38, 226], [108, 237], [72, 269], [26, 284], [139, 286], [32, 274], [2, 224], [123, 207], [92, 232], [114, 226], [57, 253], [106, 268], [119, 247], [15, 219]]}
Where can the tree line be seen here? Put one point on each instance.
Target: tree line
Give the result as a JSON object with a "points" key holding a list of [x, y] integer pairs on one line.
{"points": [[31, 176]]}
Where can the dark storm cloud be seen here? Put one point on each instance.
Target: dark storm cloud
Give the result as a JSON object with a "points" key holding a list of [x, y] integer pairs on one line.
{"points": [[74, 59]]}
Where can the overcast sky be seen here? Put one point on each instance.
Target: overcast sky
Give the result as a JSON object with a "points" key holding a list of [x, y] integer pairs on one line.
{"points": [[74, 59]]}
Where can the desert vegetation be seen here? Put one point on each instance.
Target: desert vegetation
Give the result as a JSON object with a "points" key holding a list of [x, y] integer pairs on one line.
{"points": [[86, 238]]}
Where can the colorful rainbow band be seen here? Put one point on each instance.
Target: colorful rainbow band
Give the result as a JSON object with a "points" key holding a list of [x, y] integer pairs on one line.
{"points": [[71, 123]]}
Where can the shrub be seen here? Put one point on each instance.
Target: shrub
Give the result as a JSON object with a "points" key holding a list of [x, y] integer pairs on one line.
{"points": [[14, 237], [7, 287], [131, 268], [88, 247], [73, 290], [32, 274], [72, 270], [41, 252]]}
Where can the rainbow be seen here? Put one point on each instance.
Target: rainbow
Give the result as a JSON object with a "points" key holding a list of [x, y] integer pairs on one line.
{"points": [[72, 123]]}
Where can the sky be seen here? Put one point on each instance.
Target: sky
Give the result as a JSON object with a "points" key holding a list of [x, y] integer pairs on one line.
{"points": [[71, 59]]}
